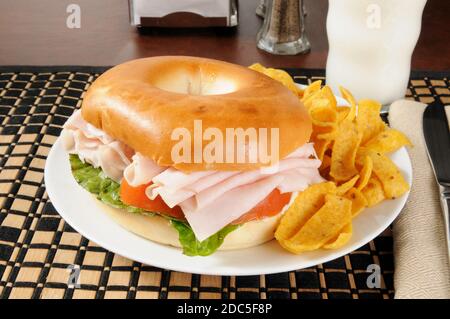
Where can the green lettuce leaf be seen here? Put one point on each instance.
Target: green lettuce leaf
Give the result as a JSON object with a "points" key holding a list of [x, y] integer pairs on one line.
{"points": [[193, 247], [108, 191], [96, 182]]}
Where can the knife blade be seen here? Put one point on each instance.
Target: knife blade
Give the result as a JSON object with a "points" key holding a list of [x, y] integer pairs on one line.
{"points": [[437, 138]]}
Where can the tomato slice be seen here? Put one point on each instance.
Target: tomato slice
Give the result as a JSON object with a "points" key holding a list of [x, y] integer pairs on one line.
{"points": [[269, 206], [135, 196]]}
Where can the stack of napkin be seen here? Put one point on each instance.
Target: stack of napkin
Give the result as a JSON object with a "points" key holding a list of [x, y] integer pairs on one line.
{"points": [[422, 267], [161, 8]]}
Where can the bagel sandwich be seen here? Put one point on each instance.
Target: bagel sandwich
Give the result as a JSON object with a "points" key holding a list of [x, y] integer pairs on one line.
{"points": [[146, 143]]}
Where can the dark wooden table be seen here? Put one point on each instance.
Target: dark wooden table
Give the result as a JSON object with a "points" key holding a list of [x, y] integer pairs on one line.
{"points": [[35, 33]]}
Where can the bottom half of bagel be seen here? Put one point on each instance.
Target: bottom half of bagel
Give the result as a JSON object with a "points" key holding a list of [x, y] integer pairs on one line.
{"points": [[159, 229]]}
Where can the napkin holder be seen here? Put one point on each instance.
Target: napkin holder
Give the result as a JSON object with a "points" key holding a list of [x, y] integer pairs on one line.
{"points": [[183, 13]]}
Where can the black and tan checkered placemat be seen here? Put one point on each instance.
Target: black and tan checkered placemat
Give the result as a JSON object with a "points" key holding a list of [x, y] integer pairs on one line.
{"points": [[40, 253]]}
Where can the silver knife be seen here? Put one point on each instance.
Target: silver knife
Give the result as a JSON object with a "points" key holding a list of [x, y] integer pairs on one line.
{"points": [[437, 137]]}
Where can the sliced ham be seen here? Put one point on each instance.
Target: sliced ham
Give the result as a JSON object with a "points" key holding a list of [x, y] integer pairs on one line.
{"points": [[200, 192], [220, 184], [95, 147], [176, 179], [298, 179], [229, 207], [112, 160], [141, 170], [171, 198], [210, 180], [171, 183], [305, 151], [77, 123], [210, 200]]}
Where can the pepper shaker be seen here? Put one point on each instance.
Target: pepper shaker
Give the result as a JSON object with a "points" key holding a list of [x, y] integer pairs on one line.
{"points": [[283, 29]]}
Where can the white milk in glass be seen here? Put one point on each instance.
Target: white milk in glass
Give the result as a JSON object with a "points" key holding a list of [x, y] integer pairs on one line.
{"points": [[371, 43]]}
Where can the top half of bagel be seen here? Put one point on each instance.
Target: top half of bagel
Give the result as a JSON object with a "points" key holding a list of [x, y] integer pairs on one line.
{"points": [[142, 101]]}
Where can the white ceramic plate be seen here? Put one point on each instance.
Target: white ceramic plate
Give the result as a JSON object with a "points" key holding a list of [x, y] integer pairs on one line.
{"points": [[82, 211]]}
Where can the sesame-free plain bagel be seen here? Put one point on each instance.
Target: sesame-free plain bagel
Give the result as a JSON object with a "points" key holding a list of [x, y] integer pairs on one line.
{"points": [[141, 102]]}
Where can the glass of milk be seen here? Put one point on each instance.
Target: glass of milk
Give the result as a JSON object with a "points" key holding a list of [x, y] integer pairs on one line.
{"points": [[370, 46]]}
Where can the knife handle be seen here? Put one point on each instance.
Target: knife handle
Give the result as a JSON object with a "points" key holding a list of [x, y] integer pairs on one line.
{"points": [[445, 204]]}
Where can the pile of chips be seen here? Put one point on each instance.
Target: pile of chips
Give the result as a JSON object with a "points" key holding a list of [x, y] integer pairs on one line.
{"points": [[352, 143], [279, 75]]}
